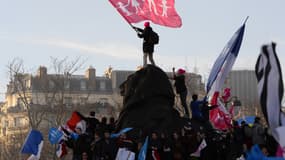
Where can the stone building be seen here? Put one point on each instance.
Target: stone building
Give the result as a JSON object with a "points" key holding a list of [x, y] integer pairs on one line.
{"points": [[50, 97]]}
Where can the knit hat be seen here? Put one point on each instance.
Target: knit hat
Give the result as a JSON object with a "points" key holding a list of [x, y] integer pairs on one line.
{"points": [[181, 71], [146, 24]]}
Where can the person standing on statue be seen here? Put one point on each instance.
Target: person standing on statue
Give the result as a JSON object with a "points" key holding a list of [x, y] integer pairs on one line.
{"points": [[150, 38], [181, 88]]}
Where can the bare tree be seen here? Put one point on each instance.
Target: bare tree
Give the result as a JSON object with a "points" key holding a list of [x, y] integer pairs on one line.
{"points": [[18, 86], [44, 104]]}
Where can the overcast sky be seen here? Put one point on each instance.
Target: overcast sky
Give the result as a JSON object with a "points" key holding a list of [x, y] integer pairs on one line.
{"points": [[35, 30]]}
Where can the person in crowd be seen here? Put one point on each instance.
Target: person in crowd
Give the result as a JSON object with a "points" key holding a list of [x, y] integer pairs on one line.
{"points": [[181, 88], [258, 132], [154, 148], [80, 146], [92, 123], [148, 46], [166, 153], [109, 148], [177, 147], [195, 106], [236, 141], [103, 124], [247, 133], [111, 125]]}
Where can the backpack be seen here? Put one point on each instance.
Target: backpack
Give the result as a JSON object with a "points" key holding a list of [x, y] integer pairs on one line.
{"points": [[153, 38]]}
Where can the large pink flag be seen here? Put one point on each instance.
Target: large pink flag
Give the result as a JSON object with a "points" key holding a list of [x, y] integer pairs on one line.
{"points": [[161, 12]]}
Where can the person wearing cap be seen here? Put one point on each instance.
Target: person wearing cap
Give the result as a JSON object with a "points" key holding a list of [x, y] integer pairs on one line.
{"points": [[181, 88], [148, 47]]}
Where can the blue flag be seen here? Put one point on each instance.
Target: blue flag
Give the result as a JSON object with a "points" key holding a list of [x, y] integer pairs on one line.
{"points": [[256, 154], [55, 135], [142, 154], [116, 135], [33, 143], [224, 62]]}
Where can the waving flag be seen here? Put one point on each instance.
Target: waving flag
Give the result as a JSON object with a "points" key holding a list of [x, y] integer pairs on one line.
{"points": [[161, 12], [143, 151], [33, 145], [61, 150], [116, 135], [76, 121], [202, 145], [270, 90], [55, 135], [224, 62]]}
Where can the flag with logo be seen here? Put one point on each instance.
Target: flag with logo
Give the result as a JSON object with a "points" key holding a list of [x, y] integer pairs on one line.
{"points": [[161, 12], [270, 90], [33, 145], [55, 135]]}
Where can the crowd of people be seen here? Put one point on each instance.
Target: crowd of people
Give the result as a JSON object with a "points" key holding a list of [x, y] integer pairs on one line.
{"points": [[97, 144]]}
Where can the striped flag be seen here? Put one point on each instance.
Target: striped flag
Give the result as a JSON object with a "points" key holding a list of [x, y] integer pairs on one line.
{"points": [[270, 90], [224, 62], [33, 145]]}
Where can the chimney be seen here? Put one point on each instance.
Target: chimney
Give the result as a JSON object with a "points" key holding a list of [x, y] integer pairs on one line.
{"points": [[90, 73], [42, 72]]}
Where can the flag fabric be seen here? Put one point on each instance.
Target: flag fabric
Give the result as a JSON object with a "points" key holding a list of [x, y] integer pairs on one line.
{"points": [[76, 121], [116, 135], [143, 151], [61, 150], [202, 145], [161, 12], [270, 90], [224, 62], [55, 135], [155, 154], [226, 95], [124, 154], [256, 154], [33, 145], [220, 117]]}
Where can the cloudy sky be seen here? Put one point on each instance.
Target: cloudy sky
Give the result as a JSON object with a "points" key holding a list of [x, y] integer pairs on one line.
{"points": [[36, 30]]}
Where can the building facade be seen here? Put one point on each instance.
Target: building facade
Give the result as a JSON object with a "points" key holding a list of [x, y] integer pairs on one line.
{"points": [[55, 95], [243, 85]]}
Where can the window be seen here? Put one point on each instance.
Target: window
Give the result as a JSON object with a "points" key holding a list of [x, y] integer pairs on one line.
{"points": [[66, 84], [83, 85], [68, 100], [17, 122], [83, 100], [51, 84], [102, 85], [28, 83], [103, 101]]}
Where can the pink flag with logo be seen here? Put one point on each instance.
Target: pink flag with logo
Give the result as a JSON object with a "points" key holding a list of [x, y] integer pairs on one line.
{"points": [[161, 12]]}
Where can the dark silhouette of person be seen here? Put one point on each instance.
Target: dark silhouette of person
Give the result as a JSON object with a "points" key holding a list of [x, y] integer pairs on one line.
{"points": [[181, 88], [148, 47]]}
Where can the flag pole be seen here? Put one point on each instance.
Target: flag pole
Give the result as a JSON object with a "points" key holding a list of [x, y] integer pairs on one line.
{"points": [[245, 19]]}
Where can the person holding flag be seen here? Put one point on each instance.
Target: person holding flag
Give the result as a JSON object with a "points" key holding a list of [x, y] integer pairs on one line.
{"points": [[148, 45]]}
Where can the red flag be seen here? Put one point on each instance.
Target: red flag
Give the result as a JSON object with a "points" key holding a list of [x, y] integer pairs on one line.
{"points": [[161, 12], [219, 116], [76, 121], [155, 154]]}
